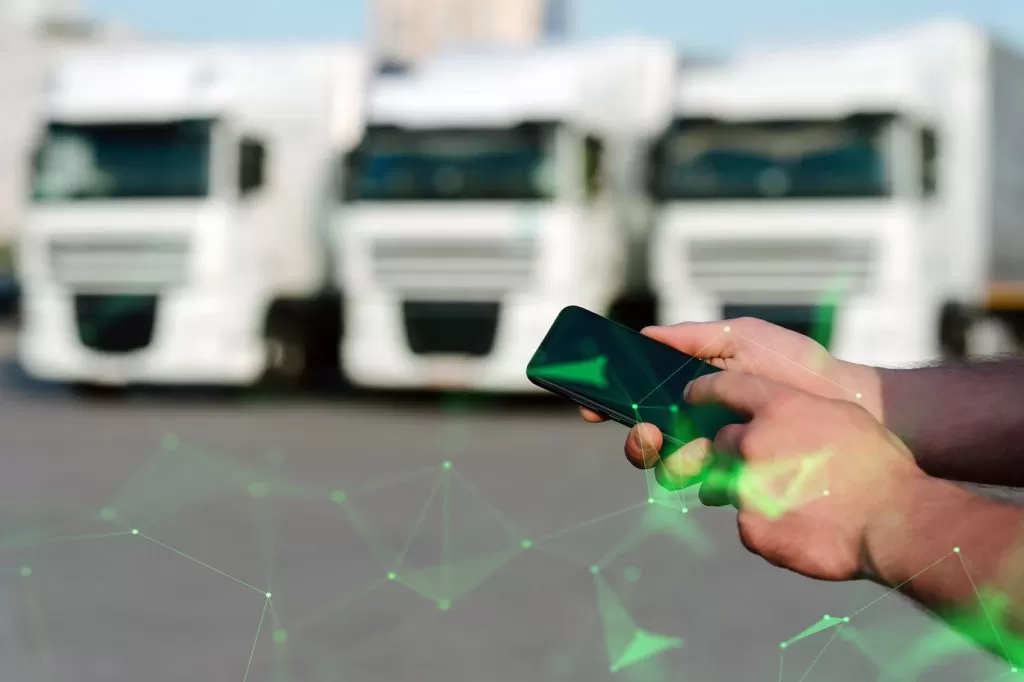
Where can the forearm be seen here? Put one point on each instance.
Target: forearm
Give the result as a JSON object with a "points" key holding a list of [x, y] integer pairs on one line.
{"points": [[964, 422], [958, 555]]}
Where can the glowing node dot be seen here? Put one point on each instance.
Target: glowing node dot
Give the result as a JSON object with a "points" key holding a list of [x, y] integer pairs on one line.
{"points": [[280, 636], [686, 510], [108, 513], [825, 493], [846, 619], [1013, 670], [258, 489], [826, 617], [268, 595], [526, 544], [956, 549], [595, 569], [26, 571], [727, 328], [673, 408], [338, 496], [392, 576], [634, 406], [650, 500], [782, 645], [444, 604], [859, 396], [135, 531], [447, 465]]}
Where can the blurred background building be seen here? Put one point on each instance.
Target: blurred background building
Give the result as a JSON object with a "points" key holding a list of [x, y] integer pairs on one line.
{"points": [[406, 31]]}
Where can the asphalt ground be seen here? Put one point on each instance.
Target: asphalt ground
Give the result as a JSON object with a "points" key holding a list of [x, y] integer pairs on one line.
{"points": [[316, 499]]}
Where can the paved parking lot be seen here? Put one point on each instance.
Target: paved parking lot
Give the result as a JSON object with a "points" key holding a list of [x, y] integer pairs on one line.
{"points": [[325, 538]]}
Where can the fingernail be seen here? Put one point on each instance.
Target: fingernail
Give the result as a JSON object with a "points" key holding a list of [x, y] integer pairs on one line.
{"points": [[686, 391]]}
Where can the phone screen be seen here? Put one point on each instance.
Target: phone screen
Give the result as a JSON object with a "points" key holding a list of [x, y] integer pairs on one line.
{"points": [[626, 376]]}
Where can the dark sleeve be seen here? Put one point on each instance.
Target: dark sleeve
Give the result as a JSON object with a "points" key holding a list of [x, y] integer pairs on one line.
{"points": [[963, 421]]}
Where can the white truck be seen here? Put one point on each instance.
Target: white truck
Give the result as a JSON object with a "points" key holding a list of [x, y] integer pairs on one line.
{"points": [[869, 192], [178, 231], [489, 191]]}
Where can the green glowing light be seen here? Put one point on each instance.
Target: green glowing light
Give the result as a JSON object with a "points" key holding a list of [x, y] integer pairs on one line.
{"points": [[169, 442], [338, 496], [686, 510], [526, 544], [635, 406], [673, 408], [585, 372], [447, 465], [782, 645], [644, 645], [268, 595], [26, 571], [258, 488], [280, 636], [135, 531], [632, 574], [956, 549], [392, 576], [650, 500], [108, 513], [595, 569], [444, 604]]}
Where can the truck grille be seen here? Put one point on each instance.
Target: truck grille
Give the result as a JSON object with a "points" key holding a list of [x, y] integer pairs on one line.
{"points": [[115, 324], [462, 328], [466, 268], [802, 267], [122, 264]]}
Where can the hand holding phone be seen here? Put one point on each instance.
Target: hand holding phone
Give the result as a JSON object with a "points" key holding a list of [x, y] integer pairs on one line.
{"points": [[626, 376]]}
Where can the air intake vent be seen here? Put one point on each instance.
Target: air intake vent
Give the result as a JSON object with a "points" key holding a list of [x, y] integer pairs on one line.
{"points": [[121, 264], [466, 268], [809, 267]]}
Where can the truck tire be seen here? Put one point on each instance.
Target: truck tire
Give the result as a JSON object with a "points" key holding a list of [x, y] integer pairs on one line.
{"points": [[990, 336], [953, 324], [287, 357]]}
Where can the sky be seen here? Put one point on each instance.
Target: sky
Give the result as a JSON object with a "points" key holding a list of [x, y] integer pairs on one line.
{"points": [[698, 26]]}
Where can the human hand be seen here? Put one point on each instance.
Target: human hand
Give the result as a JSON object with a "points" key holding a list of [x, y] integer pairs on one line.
{"points": [[757, 347], [812, 475]]}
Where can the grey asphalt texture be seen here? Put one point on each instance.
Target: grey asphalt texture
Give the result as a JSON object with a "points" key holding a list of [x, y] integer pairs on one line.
{"points": [[104, 605]]}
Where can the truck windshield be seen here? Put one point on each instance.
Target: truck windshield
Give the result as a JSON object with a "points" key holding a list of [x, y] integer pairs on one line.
{"points": [[773, 160], [78, 162], [482, 164]]}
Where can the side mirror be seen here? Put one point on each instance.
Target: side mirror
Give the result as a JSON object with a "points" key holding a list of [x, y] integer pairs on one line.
{"points": [[252, 166]]}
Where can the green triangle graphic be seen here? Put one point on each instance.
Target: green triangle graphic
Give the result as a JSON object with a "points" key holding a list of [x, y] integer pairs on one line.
{"points": [[645, 645], [582, 372]]}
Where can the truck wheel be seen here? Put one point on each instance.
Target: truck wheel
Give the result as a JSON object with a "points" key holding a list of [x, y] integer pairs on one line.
{"points": [[953, 325], [990, 336], [287, 360]]}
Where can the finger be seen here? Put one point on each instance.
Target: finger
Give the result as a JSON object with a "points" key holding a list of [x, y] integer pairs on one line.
{"points": [[591, 416], [728, 439], [643, 445], [720, 480], [705, 340], [739, 391], [685, 466]]}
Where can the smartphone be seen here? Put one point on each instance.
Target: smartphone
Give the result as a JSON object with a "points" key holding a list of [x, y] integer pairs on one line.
{"points": [[626, 376]]}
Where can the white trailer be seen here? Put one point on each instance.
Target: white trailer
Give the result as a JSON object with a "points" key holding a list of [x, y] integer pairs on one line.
{"points": [[868, 191], [178, 228], [489, 191]]}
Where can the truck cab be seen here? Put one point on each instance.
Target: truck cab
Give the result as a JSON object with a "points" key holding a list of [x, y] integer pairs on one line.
{"points": [[482, 199], [834, 189], [177, 228]]}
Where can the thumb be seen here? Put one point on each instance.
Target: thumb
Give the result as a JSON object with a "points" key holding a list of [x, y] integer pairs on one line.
{"points": [[703, 340]]}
